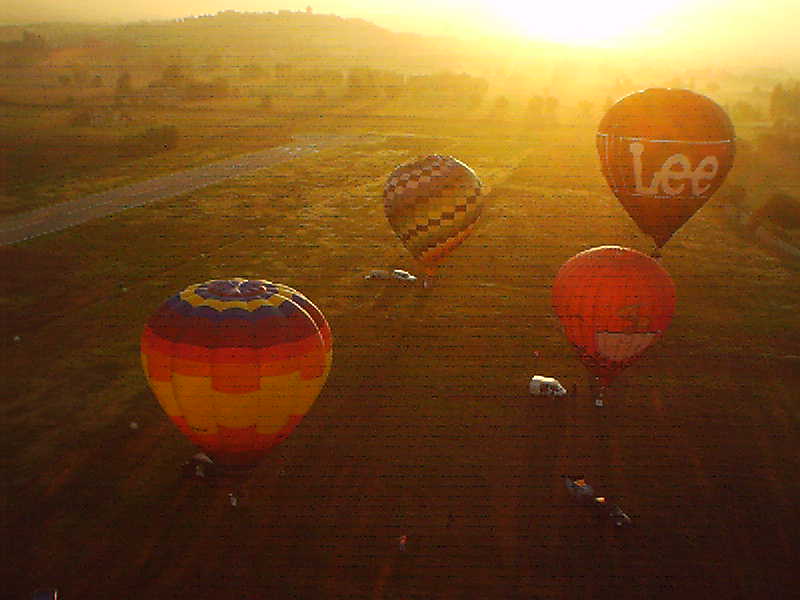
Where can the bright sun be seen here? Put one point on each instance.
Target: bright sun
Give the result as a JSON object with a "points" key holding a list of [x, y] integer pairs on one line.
{"points": [[582, 22]]}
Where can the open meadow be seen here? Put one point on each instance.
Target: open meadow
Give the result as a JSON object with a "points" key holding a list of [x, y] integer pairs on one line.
{"points": [[425, 427]]}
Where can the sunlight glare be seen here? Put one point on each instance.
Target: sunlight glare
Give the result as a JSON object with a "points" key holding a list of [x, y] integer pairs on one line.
{"points": [[583, 22]]}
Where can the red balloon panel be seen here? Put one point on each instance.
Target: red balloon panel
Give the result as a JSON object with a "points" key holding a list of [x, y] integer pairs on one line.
{"points": [[662, 183], [613, 304], [664, 152]]}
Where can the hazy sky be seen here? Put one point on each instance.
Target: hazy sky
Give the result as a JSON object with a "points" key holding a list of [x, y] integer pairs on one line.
{"points": [[767, 27]]}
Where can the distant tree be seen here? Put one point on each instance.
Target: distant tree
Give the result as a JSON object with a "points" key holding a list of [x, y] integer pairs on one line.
{"points": [[173, 74], [33, 41], [585, 109], [79, 75], [551, 108], [153, 140], [501, 105], [251, 71], [82, 118], [745, 111], [536, 108], [783, 103], [31, 49], [124, 86], [360, 81], [781, 210], [284, 72], [212, 62], [206, 90], [676, 82]]}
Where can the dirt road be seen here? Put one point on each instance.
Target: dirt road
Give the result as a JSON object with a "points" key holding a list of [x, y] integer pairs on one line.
{"points": [[60, 216]]}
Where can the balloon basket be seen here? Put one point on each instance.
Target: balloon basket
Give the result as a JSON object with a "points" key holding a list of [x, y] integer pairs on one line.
{"points": [[231, 477]]}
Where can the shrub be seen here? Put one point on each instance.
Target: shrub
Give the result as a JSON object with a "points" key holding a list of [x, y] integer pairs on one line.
{"points": [[151, 141]]}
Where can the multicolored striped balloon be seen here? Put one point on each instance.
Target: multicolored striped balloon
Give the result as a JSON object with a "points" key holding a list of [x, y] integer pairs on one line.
{"points": [[432, 204], [236, 364]]}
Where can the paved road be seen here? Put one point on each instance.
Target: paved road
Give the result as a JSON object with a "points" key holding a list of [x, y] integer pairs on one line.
{"points": [[42, 221]]}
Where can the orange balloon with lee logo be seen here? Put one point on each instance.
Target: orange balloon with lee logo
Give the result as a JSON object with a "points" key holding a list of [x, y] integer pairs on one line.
{"points": [[664, 152]]}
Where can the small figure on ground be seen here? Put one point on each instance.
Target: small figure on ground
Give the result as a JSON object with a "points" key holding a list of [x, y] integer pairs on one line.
{"points": [[584, 493], [378, 274], [613, 511], [233, 499], [402, 541], [578, 488], [199, 466]]}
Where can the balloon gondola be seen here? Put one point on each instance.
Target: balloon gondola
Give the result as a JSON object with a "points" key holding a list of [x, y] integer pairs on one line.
{"points": [[664, 152], [236, 364], [432, 204], [613, 303]]}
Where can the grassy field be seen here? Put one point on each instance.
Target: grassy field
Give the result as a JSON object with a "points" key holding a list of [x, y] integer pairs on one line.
{"points": [[425, 426]]}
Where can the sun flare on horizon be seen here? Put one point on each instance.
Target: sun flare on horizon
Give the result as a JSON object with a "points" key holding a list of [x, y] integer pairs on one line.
{"points": [[584, 22]]}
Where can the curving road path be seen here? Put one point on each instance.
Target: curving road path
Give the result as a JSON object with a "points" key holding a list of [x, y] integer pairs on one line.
{"points": [[49, 219]]}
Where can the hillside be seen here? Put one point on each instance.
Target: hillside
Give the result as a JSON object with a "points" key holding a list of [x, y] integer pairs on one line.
{"points": [[310, 39]]}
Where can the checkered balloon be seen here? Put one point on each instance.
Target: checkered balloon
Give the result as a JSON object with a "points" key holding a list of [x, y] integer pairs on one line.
{"points": [[432, 204]]}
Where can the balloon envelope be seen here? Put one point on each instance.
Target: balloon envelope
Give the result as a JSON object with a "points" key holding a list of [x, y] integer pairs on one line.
{"points": [[613, 304], [432, 204], [664, 152], [236, 364]]}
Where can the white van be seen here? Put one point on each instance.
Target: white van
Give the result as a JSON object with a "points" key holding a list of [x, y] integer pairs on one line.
{"points": [[546, 386]]}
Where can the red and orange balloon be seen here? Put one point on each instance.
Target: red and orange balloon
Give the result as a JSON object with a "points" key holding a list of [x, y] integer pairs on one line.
{"points": [[613, 304], [664, 152], [236, 364]]}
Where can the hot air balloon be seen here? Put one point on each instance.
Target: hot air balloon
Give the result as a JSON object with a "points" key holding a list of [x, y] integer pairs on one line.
{"points": [[664, 152], [236, 364], [432, 204], [613, 304]]}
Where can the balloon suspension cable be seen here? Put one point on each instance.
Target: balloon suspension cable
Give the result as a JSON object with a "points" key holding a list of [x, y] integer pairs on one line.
{"points": [[656, 253], [427, 278], [599, 392]]}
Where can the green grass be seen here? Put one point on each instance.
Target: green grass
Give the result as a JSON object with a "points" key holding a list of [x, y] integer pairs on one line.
{"points": [[425, 412]]}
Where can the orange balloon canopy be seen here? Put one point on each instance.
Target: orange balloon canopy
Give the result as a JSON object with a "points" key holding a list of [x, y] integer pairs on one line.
{"points": [[236, 364], [664, 152], [613, 304]]}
